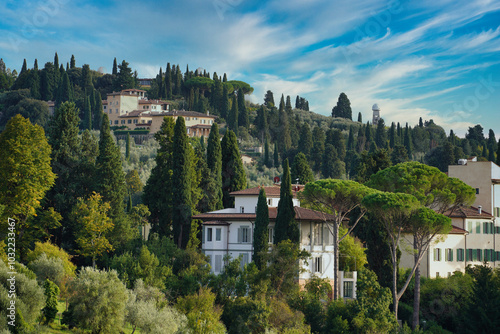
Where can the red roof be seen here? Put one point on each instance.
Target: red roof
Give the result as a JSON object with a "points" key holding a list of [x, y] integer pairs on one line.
{"points": [[457, 230], [469, 212], [300, 214]]}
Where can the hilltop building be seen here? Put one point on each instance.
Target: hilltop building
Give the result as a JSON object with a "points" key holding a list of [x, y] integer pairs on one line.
{"points": [[376, 114], [229, 232]]}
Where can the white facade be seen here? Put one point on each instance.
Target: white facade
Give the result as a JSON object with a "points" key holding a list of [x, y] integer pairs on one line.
{"points": [[229, 233]]}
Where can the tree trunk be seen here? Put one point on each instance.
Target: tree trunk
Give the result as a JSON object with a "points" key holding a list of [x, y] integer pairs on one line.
{"points": [[336, 262], [416, 299], [93, 262], [395, 299]]}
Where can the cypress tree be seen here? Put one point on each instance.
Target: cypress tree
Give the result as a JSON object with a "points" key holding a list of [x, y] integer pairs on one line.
{"points": [[297, 102], [233, 174], [318, 148], [115, 67], [161, 89], [360, 118], [181, 185], [98, 111], [328, 161], [267, 160], [276, 158], [498, 153], [343, 107], [285, 141], [242, 110], [168, 82], [368, 133], [56, 67], [87, 115], [286, 228], [64, 90], [407, 141], [72, 62], [127, 147], [178, 81], [232, 118], [492, 145], [158, 189], [224, 106], [306, 140], [214, 162], [110, 178], [301, 171], [24, 68], [350, 139], [261, 233], [392, 135], [381, 134], [34, 84]]}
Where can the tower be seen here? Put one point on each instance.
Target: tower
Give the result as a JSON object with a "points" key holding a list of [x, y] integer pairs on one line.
{"points": [[376, 114]]}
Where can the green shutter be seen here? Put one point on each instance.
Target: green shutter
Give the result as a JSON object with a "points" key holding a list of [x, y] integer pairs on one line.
{"points": [[451, 254], [467, 255]]}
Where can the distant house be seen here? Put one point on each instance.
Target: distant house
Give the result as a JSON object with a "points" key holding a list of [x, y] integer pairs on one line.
{"points": [[229, 232], [130, 108]]}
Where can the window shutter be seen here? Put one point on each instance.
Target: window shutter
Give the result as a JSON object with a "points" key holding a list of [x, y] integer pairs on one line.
{"points": [[239, 235], [467, 255], [203, 235], [451, 254]]}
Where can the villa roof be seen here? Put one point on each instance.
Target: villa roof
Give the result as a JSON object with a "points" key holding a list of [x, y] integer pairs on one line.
{"points": [[300, 214], [469, 212], [457, 230]]}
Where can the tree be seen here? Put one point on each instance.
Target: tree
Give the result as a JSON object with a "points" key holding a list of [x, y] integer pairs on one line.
{"points": [[261, 233], [283, 131], [343, 107], [301, 171], [318, 148], [181, 185], [124, 78], [127, 147], [87, 115], [214, 163], [306, 140], [110, 177], [381, 134], [25, 175], [242, 110], [91, 215], [107, 295], [233, 174], [232, 118], [51, 293], [269, 99], [394, 211], [286, 228], [157, 191], [360, 117], [339, 198], [97, 108], [115, 67], [434, 190]]}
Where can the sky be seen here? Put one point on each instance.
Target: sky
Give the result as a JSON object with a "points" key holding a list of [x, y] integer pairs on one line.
{"points": [[435, 59]]}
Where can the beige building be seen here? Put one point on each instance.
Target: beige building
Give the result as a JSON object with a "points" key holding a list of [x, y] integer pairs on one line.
{"points": [[130, 108]]}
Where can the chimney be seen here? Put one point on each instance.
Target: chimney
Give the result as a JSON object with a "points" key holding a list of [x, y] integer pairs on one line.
{"points": [[479, 209]]}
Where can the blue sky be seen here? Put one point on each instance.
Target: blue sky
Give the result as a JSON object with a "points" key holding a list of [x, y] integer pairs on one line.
{"points": [[436, 59]]}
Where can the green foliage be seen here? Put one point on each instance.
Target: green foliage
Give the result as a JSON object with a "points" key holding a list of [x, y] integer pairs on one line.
{"points": [[51, 293], [246, 315], [286, 228], [343, 107], [301, 170], [25, 175], [261, 233], [202, 314], [214, 163], [29, 300], [97, 302], [91, 215], [157, 192], [52, 252], [110, 176], [146, 311], [144, 266], [181, 185], [48, 268], [233, 174], [285, 320], [353, 254]]}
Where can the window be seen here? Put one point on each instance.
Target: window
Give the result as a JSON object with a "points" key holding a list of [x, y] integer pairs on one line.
{"points": [[244, 260], [187, 118], [318, 265], [469, 255], [327, 236], [448, 254], [469, 227], [218, 234], [437, 274], [218, 263], [478, 227], [242, 209], [477, 191], [497, 212], [244, 234], [135, 121], [209, 234], [498, 256], [270, 238], [129, 121], [437, 254], [460, 254], [317, 234], [123, 121], [348, 289], [269, 201], [479, 255], [116, 122]]}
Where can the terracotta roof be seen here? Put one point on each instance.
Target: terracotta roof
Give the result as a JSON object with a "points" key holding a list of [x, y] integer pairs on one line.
{"points": [[457, 230], [468, 212], [300, 214], [271, 191], [216, 222]]}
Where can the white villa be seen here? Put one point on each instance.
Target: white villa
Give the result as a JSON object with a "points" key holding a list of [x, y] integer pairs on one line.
{"points": [[229, 232]]}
